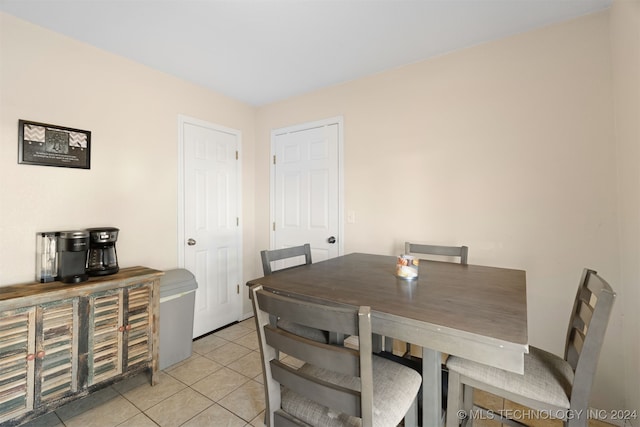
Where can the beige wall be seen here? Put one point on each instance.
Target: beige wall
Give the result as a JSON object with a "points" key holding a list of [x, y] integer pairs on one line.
{"points": [[132, 112], [507, 147], [625, 37]]}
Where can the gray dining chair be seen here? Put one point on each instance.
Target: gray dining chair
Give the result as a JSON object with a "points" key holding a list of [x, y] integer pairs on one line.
{"points": [[291, 253], [460, 252], [295, 256], [550, 383], [336, 385]]}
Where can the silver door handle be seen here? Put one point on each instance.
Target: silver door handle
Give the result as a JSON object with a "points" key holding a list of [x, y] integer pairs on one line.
{"points": [[191, 242]]}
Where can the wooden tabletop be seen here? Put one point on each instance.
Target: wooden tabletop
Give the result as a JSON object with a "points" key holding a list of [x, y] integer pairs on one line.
{"points": [[485, 301]]}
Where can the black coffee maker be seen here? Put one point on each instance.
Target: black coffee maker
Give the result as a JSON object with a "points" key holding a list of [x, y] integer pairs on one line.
{"points": [[72, 256], [102, 259]]}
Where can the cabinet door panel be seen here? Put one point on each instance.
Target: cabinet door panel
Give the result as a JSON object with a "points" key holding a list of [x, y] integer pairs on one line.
{"points": [[17, 346], [57, 369], [139, 325], [105, 340]]}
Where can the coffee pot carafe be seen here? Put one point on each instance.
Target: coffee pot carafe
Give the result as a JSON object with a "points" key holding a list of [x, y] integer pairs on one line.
{"points": [[102, 259]]}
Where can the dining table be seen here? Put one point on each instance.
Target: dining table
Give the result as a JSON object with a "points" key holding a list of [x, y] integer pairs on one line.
{"points": [[472, 311]]}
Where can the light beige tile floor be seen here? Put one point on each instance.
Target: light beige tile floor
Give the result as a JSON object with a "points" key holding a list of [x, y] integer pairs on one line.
{"points": [[219, 385]]}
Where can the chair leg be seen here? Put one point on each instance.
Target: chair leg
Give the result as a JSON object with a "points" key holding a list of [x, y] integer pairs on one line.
{"points": [[411, 417], [454, 400], [467, 402]]}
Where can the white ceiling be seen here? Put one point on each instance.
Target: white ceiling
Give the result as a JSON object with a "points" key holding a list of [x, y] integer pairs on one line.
{"points": [[261, 51]]}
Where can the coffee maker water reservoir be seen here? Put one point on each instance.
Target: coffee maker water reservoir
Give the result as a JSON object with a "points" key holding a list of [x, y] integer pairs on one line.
{"points": [[47, 256]]}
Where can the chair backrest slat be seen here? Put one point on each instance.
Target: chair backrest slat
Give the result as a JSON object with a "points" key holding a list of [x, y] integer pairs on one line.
{"points": [[282, 419], [582, 317], [439, 250], [342, 399], [335, 319], [572, 354], [577, 341], [269, 256], [340, 359]]}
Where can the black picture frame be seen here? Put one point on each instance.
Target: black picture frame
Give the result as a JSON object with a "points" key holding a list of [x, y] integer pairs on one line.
{"points": [[50, 145]]}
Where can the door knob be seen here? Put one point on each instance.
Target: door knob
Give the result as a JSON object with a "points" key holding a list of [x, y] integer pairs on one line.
{"points": [[191, 242], [331, 240]]}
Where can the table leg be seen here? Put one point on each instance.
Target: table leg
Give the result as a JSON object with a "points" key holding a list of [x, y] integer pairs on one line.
{"points": [[336, 338], [388, 344], [376, 343], [431, 388]]}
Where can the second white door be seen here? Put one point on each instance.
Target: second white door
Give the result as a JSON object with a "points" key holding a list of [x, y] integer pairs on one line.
{"points": [[306, 188]]}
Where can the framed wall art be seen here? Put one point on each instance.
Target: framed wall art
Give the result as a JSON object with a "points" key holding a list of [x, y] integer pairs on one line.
{"points": [[50, 145]]}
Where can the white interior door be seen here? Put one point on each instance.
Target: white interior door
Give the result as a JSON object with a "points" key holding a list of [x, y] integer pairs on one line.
{"points": [[307, 188], [210, 236]]}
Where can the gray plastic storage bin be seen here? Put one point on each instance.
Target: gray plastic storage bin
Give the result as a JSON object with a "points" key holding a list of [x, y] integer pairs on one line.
{"points": [[177, 300]]}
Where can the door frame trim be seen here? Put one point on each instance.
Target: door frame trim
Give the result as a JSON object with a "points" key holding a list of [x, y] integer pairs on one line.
{"points": [[338, 120], [182, 120]]}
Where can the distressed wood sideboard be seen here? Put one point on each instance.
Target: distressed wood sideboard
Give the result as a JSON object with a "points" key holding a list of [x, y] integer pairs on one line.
{"points": [[60, 341]]}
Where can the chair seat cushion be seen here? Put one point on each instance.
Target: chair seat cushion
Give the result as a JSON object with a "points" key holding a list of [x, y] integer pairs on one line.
{"points": [[547, 378], [394, 389]]}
